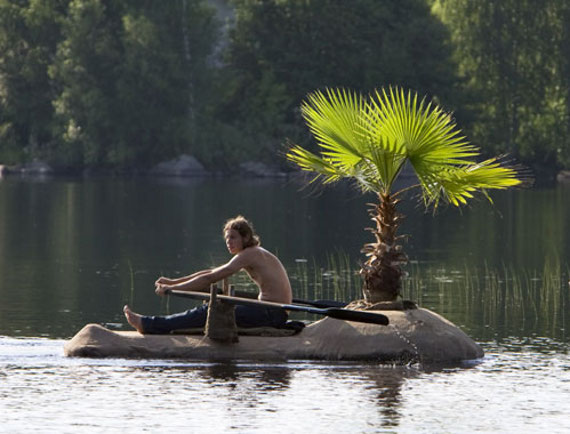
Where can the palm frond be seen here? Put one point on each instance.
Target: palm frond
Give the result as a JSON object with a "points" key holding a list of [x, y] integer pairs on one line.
{"points": [[307, 161], [386, 159], [426, 132], [370, 140], [458, 184], [334, 118]]}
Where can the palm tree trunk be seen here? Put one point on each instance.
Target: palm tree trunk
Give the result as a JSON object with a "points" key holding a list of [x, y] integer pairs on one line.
{"points": [[382, 271]]}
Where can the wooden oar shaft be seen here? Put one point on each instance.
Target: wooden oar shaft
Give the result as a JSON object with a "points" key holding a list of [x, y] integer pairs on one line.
{"points": [[226, 298], [338, 313], [314, 303]]}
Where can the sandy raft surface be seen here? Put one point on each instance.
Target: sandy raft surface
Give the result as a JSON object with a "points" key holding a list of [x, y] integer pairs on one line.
{"points": [[411, 335]]}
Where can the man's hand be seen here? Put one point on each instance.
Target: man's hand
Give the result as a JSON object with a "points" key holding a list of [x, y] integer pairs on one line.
{"points": [[164, 281], [161, 289]]}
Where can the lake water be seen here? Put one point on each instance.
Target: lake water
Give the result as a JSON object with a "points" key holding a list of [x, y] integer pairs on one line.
{"points": [[74, 251]]}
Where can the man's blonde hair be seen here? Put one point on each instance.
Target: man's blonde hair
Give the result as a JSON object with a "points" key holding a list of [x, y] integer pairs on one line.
{"points": [[245, 229]]}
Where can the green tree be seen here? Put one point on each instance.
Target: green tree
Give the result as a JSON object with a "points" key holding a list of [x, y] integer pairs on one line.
{"points": [[562, 25], [130, 78], [29, 34], [84, 72], [279, 50], [370, 140], [165, 79], [511, 54]]}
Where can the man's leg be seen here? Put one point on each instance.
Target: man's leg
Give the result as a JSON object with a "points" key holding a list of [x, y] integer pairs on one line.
{"points": [[253, 316], [193, 318]]}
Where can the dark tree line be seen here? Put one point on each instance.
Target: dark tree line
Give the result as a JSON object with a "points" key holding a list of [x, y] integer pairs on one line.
{"points": [[126, 83]]}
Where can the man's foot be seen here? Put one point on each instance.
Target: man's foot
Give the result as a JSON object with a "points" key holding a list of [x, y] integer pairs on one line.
{"points": [[134, 319]]}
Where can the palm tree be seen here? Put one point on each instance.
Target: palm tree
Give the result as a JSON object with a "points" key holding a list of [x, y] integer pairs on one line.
{"points": [[370, 140]]}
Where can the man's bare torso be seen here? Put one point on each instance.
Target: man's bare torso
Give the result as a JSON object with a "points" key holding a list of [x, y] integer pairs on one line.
{"points": [[268, 273]]}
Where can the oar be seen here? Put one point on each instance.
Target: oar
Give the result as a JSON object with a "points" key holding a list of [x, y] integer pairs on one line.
{"points": [[333, 312], [320, 303], [314, 303]]}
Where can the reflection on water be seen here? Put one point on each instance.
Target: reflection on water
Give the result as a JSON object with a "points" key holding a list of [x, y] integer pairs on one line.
{"points": [[271, 378], [518, 387], [385, 385]]}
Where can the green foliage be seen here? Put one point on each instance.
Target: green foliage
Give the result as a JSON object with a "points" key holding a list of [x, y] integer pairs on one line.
{"points": [[280, 50], [370, 139], [123, 83], [29, 33], [130, 75], [514, 57], [101, 82]]}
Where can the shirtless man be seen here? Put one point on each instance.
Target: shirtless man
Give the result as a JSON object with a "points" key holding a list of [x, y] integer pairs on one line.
{"points": [[263, 268]]}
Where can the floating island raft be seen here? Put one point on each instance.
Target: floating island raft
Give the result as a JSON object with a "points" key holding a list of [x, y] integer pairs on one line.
{"points": [[412, 335]]}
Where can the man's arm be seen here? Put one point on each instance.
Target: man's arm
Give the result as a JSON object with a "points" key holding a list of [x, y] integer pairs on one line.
{"points": [[204, 279], [168, 281]]}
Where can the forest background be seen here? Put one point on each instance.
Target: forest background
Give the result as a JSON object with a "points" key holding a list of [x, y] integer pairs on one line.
{"points": [[125, 84]]}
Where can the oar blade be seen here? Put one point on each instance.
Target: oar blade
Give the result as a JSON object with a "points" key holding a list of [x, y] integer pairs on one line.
{"points": [[320, 303], [358, 316]]}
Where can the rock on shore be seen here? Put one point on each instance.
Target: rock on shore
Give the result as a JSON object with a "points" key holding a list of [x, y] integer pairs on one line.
{"points": [[184, 165], [563, 177], [33, 168]]}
